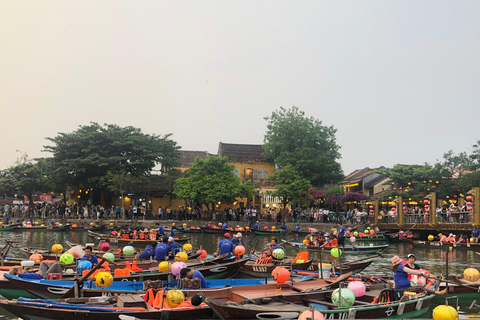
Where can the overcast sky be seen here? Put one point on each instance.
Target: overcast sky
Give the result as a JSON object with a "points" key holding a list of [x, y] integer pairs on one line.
{"points": [[400, 80]]}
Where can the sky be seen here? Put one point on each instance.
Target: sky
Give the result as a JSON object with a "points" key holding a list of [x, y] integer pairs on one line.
{"points": [[399, 80]]}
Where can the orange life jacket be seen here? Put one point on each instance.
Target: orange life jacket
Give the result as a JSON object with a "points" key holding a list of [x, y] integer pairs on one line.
{"points": [[301, 256]]}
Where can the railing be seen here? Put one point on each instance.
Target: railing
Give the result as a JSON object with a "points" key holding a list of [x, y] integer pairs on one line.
{"points": [[447, 217]]}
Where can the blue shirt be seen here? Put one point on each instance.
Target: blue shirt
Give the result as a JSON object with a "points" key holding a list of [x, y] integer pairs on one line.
{"points": [[117, 209], [225, 225], [297, 228], [255, 226], [174, 248], [401, 278], [341, 231], [92, 259], [161, 251], [147, 253], [476, 232], [284, 226], [276, 247], [236, 242], [172, 234], [198, 274], [226, 246], [161, 230]]}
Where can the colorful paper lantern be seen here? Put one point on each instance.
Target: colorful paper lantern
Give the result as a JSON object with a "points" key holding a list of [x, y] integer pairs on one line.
{"points": [[239, 250], [84, 265], [203, 254], [109, 256], [347, 298], [280, 275], [278, 254], [444, 312], [176, 267], [357, 287], [164, 266], [103, 279], [187, 247], [471, 274], [430, 238], [309, 315], [353, 239], [57, 248], [66, 258], [36, 257], [181, 256], [105, 246], [335, 252], [174, 298], [128, 250]]}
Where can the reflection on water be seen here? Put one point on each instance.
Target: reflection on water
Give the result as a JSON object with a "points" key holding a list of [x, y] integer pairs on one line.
{"points": [[433, 260]]}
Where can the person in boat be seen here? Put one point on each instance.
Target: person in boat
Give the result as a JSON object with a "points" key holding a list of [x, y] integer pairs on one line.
{"points": [[463, 238], [297, 228], [172, 233], [225, 246], [148, 252], [411, 262], [238, 240], [52, 223], [174, 248], [442, 237], [400, 277], [225, 225], [160, 228], [475, 234], [451, 238], [408, 234], [341, 234], [89, 256], [209, 224], [255, 226], [284, 226], [194, 274], [162, 250], [273, 245]]}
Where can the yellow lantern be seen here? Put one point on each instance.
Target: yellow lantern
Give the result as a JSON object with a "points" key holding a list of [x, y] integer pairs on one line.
{"points": [[164, 266], [103, 279], [57, 248], [187, 247], [181, 256], [175, 298]]}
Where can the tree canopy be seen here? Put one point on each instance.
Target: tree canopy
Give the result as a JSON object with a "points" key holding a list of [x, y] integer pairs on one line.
{"points": [[291, 187], [26, 177], [82, 158], [304, 143], [210, 181]]}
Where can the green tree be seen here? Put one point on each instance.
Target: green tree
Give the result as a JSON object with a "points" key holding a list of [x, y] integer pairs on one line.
{"points": [[291, 187], [119, 181], [26, 177], [210, 181], [305, 144], [82, 158]]}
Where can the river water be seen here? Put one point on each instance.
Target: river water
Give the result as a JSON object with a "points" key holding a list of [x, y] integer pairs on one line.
{"points": [[433, 260]]}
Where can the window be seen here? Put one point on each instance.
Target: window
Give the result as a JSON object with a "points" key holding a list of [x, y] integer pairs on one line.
{"points": [[262, 174]]}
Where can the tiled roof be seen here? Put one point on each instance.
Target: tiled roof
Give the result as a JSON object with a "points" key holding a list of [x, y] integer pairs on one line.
{"points": [[233, 150], [188, 157]]}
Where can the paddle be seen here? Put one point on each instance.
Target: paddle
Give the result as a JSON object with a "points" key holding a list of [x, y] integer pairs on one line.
{"points": [[285, 242]]}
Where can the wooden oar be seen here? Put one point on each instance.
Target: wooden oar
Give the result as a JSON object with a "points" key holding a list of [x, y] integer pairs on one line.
{"points": [[285, 242]]}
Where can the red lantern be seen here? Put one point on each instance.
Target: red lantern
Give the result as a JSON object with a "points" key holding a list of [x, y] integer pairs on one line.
{"points": [[469, 204], [425, 201], [455, 196], [371, 207], [371, 211], [468, 198], [394, 204], [427, 206]]}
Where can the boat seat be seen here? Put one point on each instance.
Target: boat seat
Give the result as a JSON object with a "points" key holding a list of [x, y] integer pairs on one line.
{"points": [[325, 303]]}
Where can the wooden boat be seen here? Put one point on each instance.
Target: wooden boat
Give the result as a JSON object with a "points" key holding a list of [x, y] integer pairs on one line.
{"points": [[457, 286], [440, 245], [289, 306], [347, 249], [76, 308], [268, 232], [55, 289], [353, 267], [189, 230], [214, 230], [265, 270], [7, 228], [108, 238]]}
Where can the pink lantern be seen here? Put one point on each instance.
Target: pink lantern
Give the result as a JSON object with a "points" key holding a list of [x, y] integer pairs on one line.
{"points": [[266, 228], [425, 201], [349, 228], [357, 287], [176, 267], [427, 206], [353, 239], [469, 204], [468, 198], [402, 232], [114, 233], [371, 207], [105, 246], [394, 204], [371, 211], [372, 232]]}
